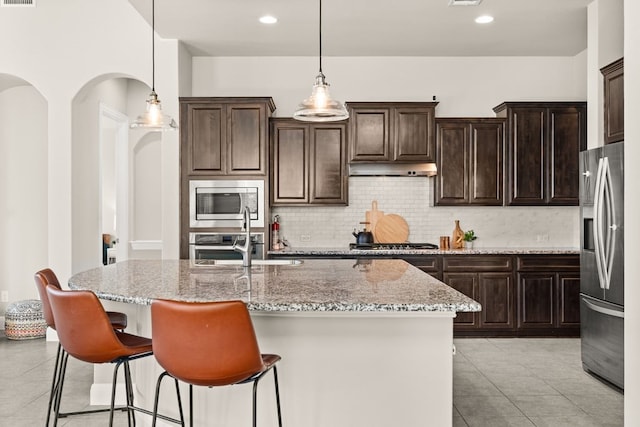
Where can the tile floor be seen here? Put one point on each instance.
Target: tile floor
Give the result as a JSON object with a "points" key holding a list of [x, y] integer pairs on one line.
{"points": [[497, 382], [529, 382]]}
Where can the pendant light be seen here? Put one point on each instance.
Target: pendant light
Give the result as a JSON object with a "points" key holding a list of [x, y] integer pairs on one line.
{"points": [[320, 107], [153, 118]]}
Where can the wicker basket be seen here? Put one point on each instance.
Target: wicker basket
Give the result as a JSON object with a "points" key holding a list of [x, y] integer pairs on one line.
{"points": [[24, 320]]}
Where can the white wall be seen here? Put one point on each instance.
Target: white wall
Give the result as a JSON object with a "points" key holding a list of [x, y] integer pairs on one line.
{"points": [[632, 211], [465, 87], [23, 191], [605, 45], [61, 46]]}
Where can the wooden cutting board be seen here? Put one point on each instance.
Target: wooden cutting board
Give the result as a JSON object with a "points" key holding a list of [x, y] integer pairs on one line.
{"points": [[391, 228], [373, 216]]}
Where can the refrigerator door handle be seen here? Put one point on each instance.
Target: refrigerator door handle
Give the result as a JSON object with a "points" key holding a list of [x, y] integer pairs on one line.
{"points": [[610, 246], [597, 222], [603, 310]]}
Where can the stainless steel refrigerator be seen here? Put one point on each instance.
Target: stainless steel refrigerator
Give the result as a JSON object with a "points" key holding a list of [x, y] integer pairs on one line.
{"points": [[602, 262]]}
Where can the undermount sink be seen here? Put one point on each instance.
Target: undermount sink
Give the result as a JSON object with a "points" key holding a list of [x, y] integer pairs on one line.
{"points": [[255, 262]]}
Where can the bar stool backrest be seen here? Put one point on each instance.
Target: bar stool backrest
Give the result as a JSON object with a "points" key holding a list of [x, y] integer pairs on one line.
{"points": [[208, 344], [44, 278], [83, 326]]}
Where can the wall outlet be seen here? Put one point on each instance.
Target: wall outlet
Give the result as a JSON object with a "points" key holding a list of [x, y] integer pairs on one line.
{"points": [[4, 296], [305, 238], [542, 238]]}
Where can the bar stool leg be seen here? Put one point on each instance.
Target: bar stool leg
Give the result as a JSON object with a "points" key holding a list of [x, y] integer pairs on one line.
{"points": [[59, 386], [54, 382], [275, 380]]}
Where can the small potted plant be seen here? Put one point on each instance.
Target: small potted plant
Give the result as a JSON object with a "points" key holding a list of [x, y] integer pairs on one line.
{"points": [[469, 237]]}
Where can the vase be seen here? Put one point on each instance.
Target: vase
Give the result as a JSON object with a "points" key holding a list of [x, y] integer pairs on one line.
{"points": [[457, 238], [468, 244]]}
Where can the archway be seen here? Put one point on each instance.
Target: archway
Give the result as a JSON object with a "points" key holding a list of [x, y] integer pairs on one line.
{"points": [[23, 187]]}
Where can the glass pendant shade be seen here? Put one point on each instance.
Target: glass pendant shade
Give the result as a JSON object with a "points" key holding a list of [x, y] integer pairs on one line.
{"points": [[153, 118], [320, 107]]}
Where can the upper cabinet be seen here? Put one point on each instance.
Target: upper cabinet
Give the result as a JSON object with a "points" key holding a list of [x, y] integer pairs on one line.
{"points": [[469, 161], [224, 136], [613, 101], [392, 131], [308, 163], [543, 143]]}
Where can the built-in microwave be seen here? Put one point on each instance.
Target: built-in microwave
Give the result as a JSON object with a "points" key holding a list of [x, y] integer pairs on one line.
{"points": [[221, 203]]}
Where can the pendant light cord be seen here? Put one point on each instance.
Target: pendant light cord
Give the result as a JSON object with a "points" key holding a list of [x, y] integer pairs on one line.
{"points": [[153, 45], [320, 36]]}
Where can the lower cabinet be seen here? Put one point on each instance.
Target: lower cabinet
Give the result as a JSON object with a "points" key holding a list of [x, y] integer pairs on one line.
{"points": [[549, 294], [488, 280], [526, 295]]}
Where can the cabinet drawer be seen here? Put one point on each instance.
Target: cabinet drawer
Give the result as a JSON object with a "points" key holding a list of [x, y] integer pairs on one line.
{"points": [[425, 263], [549, 262], [477, 263]]}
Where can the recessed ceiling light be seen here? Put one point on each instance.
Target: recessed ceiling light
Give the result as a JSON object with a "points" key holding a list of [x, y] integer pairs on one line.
{"points": [[268, 19], [484, 19]]}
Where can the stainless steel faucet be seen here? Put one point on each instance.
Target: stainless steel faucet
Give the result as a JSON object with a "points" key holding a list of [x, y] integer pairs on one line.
{"points": [[245, 249]]}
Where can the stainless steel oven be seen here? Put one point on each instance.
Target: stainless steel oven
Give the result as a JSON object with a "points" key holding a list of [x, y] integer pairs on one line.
{"points": [[219, 246], [220, 203]]}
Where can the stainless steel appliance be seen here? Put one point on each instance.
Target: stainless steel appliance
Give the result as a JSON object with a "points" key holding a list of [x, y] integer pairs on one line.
{"points": [[204, 247], [602, 262], [221, 203], [391, 246]]}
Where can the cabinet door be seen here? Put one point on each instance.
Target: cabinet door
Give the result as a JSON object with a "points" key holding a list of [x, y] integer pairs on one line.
{"points": [[414, 138], [369, 132], [614, 102], [246, 139], [204, 138], [328, 181], [466, 283], [536, 296], [452, 180], [290, 158], [526, 156], [496, 298], [568, 300], [485, 166], [567, 137]]}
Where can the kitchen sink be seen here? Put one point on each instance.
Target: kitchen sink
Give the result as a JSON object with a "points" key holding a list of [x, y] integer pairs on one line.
{"points": [[255, 262]]}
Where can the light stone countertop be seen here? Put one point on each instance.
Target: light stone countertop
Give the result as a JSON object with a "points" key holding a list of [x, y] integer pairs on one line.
{"points": [[354, 253], [334, 285]]}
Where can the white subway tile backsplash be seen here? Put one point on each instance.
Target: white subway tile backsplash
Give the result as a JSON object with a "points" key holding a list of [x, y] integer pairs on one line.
{"points": [[413, 199]]}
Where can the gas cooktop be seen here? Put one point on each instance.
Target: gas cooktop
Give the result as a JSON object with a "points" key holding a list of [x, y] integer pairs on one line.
{"points": [[391, 246]]}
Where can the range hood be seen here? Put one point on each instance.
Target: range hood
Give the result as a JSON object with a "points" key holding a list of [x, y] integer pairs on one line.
{"points": [[393, 169]]}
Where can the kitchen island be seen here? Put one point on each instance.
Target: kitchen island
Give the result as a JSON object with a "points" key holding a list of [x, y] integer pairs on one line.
{"points": [[361, 345]]}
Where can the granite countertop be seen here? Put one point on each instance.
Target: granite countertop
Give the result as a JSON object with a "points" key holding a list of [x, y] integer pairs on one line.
{"points": [[334, 285], [343, 252]]}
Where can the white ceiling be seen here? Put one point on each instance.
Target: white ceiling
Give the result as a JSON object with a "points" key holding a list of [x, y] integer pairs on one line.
{"points": [[372, 27]]}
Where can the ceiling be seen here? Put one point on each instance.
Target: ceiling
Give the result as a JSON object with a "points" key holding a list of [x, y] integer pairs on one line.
{"points": [[372, 27]]}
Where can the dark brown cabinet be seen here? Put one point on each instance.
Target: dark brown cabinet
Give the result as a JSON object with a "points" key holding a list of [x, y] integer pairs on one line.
{"points": [[613, 75], [470, 161], [549, 294], [308, 163], [224, 136], [392, 131], [488, 280], [543, 143]]}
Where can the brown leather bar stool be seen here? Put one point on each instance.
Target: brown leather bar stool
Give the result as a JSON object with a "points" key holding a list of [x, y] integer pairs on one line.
{"points": [[47, 277], [208, 344], [86, 333]]}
